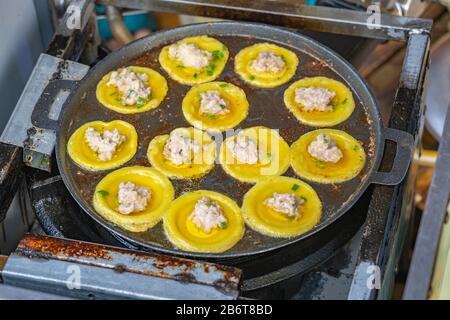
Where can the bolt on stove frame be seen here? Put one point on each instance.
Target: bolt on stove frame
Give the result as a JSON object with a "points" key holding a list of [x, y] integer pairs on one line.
{"points": [[390, 207]]}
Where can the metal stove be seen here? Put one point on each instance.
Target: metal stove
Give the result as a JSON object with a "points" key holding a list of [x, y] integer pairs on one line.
{"points": [[359, 263]]}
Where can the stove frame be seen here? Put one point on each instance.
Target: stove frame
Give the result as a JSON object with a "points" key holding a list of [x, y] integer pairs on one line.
{"points": [[390, 208]]}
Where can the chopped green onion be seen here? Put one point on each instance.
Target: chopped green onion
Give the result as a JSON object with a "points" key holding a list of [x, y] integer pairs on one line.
{"points": [[211, 117], [251, 77], [103, 193], [210, 69], [334, 103], [223, 225], [295, 187], [217, 55], [355, 147], [345, 101], [195, 76], [223, 85], [141, 102]]}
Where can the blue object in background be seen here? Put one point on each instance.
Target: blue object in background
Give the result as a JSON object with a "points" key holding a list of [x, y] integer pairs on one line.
{"points": [[311, 2], [134, 22]]}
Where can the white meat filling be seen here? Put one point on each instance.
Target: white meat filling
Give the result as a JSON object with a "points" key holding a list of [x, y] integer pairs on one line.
{"points": [[132, 85], [324, 148], [104, 144], [190, 55], [212, 103], [208, 215], [132, 198], [244, 149], [315, 98], [286, 203], [180, 149], [268, 61]]}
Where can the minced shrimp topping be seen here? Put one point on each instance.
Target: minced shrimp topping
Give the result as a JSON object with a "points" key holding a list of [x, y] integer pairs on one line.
{"points": [[180, 149], [244, 149], [315, 98], [208, 215], [287, 203], [190, 55], [324, 148], [132, 198], [212, 103], [104, 144], [132, 85], [268, 61]]}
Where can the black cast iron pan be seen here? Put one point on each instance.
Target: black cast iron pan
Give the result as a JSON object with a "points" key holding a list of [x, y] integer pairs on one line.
{"points": [[266, 108]]}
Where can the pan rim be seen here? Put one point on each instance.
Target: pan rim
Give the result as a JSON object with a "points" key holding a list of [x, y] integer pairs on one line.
{"points": [[247, 28]]}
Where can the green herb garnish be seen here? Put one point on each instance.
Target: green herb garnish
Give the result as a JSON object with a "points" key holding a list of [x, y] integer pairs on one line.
{"points": [[355, 147], [103, 193], [211, 117], [195, 76], [251, 77], [210, 69], [223, 106], [334, 104], [217, 55], [295, 187], [304, 198], [223, 85], [345, 101], [141, 102], [223, 225], [180, 66]]}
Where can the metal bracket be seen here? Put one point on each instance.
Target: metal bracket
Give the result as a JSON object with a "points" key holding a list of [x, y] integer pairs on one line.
{"points": [[37, 143], [84, 270]]}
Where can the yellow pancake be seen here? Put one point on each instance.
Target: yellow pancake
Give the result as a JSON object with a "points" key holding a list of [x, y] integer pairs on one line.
{"points": [[110, 97], [264, 219], [275, 160], [106, 203], [85, 157], [184, 234], [310, 168], [202, 163], [191, 76], [343, 103], [245, 57], [237, 104]]}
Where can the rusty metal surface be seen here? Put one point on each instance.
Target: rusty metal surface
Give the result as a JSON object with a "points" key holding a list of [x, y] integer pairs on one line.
{"points": [[266, 108], [224, 279], [90, 271]]}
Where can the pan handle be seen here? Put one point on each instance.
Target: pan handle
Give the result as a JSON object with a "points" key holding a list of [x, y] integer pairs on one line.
{"points": [[42, 116], [403, 156]]}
